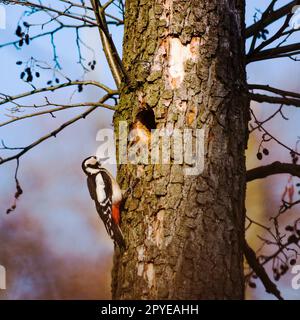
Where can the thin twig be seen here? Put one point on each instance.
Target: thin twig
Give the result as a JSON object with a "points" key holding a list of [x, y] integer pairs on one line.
{"points": [[56, 131]]}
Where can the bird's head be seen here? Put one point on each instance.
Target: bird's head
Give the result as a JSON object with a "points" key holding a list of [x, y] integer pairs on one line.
{"points": [[91, 165]]}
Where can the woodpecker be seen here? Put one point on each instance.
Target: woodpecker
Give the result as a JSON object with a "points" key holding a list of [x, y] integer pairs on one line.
{"points": [[107, 194]]}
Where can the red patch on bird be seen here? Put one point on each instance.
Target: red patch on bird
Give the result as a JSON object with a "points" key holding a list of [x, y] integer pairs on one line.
{"points": [[116, 213]]}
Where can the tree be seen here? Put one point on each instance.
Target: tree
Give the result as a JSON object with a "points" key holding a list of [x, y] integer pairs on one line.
{"points": [[184, 67]]}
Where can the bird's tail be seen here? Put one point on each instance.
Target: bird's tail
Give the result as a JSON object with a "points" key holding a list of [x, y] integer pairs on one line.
{"points": [[118, 236]]}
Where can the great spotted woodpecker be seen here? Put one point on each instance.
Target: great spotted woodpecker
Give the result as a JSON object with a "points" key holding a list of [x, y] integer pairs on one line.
{"points": [[106, 193]]}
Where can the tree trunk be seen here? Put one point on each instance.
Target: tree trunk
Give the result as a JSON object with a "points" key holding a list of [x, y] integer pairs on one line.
{"points": [[186, 62]]}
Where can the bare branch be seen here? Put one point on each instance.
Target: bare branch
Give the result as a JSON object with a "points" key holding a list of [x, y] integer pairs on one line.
{"points": [[258, 33], [117, 21], [274, 100], [286, 99], [274, 90], [260, 272], [52, 32], [287, 206], [271, 169], [293, 240], [56, 131], [272, 53], [60, 13], [276, 36], [260, 123], [8, 98], [19, 190], [109, 48], [267, 136], [270, 18], [54, 110], [73, 4]]}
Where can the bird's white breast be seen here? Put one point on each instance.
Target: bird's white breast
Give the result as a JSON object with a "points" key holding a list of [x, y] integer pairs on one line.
{"points": [[100, 188], [117, 192]]}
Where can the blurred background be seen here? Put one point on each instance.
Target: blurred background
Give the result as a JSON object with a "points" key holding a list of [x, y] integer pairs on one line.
{"points": [[54, 245]]}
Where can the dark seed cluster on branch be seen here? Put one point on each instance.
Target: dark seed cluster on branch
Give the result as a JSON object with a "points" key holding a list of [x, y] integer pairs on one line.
{"points": [[24, 36]]}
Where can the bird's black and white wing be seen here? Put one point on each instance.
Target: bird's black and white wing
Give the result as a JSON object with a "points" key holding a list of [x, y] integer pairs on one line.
{"points": [[100, 189]]}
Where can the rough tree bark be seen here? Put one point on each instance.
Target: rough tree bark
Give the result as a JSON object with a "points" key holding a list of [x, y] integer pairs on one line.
{"points": [[185, 61]]}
